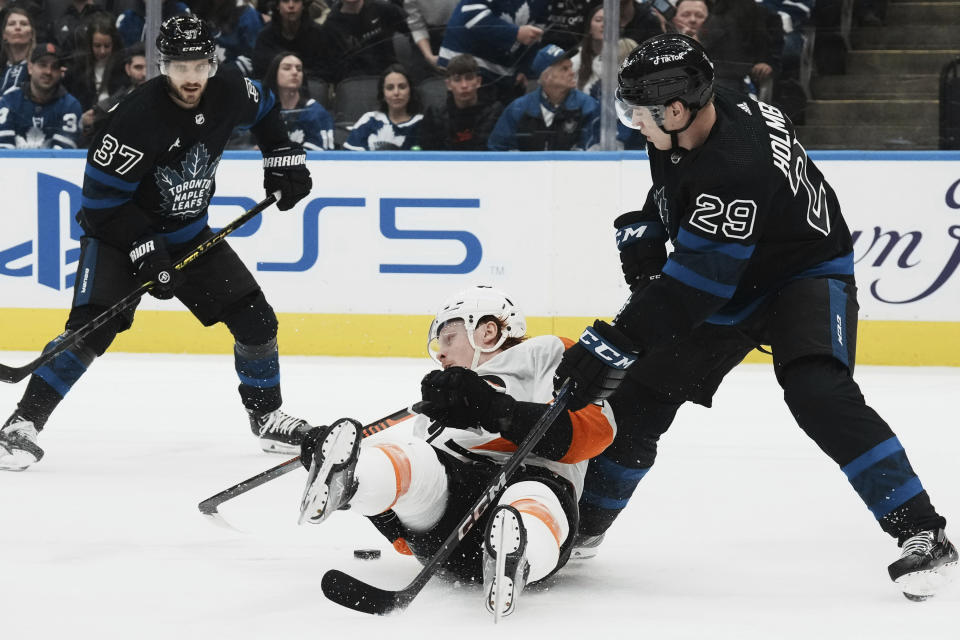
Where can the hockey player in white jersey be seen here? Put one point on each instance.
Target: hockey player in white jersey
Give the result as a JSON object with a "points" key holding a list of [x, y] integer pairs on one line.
{"points": [[493, 385]]}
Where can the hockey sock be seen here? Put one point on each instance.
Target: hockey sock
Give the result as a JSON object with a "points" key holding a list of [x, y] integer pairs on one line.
{"points": [[607, 488], [545, 521], [51, 382], [406, 477], [258, 367], [828, 406]]}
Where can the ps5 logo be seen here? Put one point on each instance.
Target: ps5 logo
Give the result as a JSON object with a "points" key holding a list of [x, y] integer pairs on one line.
{"points": [[52, 262]]}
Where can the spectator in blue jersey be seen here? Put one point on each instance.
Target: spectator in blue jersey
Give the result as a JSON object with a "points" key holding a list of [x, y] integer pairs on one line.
{"points": [[357, 38], [40, 113], [290, 30], [464, 123], [397, 124], [308, 123], [19, 38], [130, 23], [97, 69], [499, 34], [236, 27], [555, 117]]}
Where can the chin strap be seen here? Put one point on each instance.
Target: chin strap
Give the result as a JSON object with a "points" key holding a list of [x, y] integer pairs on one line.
{"points": [[674, 133]]}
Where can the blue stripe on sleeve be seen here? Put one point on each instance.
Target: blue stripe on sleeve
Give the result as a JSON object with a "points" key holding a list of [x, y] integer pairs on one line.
{"points": [[695, 242], [111, 181], [693, 279], [102, 203]]}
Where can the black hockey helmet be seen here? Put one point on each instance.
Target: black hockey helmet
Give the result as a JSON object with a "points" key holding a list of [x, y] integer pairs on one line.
{"points": [[665, 68], [185, 37]]}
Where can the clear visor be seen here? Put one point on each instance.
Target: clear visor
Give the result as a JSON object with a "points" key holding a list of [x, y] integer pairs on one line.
{"points": [[442, 335], [185, 70], [632, 116]]}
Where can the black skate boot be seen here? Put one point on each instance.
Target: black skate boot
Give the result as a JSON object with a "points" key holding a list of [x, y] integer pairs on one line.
{"points": [[18, 444], [505, 567], [926, 563], [278, 432], [585, 546], [330, 483]]}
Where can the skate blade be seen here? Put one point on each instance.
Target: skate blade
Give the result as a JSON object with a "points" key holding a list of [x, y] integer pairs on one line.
{"points": [[923, 585], [270, 446], [317, 492], [584, 553], [16, 459], [504, 541]]}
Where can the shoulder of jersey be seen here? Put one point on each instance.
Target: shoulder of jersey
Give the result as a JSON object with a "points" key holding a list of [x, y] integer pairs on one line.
{"points": [[141, 100]]}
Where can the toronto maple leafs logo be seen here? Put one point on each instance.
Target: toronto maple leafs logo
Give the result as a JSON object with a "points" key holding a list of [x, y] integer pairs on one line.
{"points": [[186, 194], [385, 139], [520, 18]]}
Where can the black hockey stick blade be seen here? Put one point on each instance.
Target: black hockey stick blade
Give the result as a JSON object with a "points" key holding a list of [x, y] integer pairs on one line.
{"points": [[347, 591], [210, 506], [355, 594], [70, 338]]}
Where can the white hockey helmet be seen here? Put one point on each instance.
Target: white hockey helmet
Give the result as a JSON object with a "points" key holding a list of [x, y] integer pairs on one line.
{"points": [[470, 305]]}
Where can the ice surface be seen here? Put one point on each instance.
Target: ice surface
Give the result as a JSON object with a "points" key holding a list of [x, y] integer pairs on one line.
{"points": [[743, 530]]}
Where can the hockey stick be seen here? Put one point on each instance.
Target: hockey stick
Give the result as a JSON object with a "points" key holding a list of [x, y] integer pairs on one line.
{"points": [[70, 338], [355, 594], [209, 506]]}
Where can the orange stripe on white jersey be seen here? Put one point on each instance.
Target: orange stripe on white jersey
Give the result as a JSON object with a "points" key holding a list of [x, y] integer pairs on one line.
{"points": [[497, 444], [541, 513], [592, 433], [401, 469]]}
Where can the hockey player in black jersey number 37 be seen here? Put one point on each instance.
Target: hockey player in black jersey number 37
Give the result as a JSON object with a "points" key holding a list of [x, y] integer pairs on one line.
{"points": [[761, 255], [147, 183]]}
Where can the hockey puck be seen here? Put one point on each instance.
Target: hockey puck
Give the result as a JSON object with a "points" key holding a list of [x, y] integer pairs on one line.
{"points": [[366, 554]]}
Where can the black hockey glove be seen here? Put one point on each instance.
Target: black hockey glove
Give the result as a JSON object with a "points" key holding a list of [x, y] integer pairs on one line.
{"points": [[459, 398], [285, 170], [642, 249], [597, 364], [152, 263]]}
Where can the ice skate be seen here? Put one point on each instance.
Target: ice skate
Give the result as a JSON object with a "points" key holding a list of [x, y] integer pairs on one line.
{"points": [[330, 483], [505, 567], [926, 564], [585, 546], [278, 432], [18, 444]]}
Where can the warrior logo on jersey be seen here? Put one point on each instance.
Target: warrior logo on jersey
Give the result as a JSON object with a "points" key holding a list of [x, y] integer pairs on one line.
{"points": [[186, 194]]}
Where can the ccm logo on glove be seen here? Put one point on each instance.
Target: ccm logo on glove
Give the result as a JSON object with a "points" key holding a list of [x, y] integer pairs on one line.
{"points": [[603, 350]]}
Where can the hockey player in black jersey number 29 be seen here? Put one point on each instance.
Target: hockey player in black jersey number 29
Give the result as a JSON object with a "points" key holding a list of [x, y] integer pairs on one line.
{"points": [[761, 256], [147, 183]]}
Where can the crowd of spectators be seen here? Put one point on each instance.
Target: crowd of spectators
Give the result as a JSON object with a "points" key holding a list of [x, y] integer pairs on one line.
{"points": [[441, 74]]}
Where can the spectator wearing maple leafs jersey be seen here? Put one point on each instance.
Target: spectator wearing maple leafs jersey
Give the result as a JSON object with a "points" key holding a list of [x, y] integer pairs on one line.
{"points": [[396, 126], [40, 113], [308, 123], [499, 34]]}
